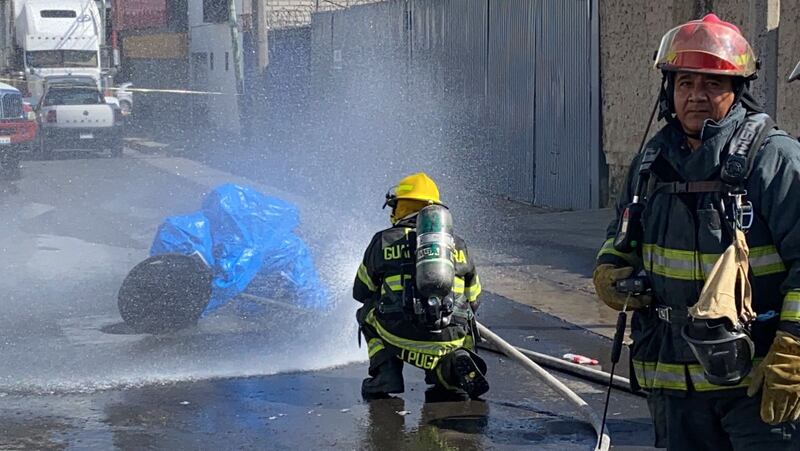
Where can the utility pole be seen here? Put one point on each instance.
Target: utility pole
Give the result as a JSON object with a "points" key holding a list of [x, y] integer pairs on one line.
{"points": [[237, 59], [260, 24], [767, 14]]}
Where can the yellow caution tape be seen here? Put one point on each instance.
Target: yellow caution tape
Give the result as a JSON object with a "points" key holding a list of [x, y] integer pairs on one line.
{"points": [[170, 91], [167, 91]]}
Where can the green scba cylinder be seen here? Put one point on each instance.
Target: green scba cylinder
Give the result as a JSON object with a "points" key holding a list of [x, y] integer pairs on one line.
{"points": [[435, 268]]}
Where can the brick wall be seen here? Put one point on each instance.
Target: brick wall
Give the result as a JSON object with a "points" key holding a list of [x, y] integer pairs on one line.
{"points": [[297, 13]]}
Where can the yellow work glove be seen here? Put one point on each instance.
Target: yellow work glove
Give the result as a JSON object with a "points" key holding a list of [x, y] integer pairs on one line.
{"points": [[605, 277], [779, 376]]}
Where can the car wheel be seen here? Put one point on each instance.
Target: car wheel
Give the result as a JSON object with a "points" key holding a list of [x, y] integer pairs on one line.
{"points": [[126, 107], [10, 168], [43, 150], [116, 149]]}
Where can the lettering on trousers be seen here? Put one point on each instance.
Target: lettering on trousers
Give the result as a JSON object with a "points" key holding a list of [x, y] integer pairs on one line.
{"points": [[418, 359], [459, 256], [396, 252]]}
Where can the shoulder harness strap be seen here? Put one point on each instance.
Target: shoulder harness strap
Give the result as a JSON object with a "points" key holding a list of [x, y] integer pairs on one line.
{"points": [[743, 148]]}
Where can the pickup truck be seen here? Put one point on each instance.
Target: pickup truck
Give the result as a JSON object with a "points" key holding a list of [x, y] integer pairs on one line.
{"points": [[73, 114], [17, 130]]}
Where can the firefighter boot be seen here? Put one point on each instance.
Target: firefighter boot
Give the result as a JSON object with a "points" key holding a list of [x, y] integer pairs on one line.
{"points": [[386, 377], [468, 373]]}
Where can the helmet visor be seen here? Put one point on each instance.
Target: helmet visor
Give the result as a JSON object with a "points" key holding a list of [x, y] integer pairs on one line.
{"points": [[795, 73], [704, 47], [725, 361]]}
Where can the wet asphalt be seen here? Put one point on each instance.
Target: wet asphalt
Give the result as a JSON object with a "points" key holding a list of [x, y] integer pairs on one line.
{"points": [[71, 378], [323, 409]]}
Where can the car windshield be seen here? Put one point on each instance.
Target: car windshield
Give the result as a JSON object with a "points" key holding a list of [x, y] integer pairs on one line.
{"points": [[44, 59], [72, 96]]}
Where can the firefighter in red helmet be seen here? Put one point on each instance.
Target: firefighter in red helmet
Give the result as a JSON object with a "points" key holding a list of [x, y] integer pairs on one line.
{"points": [[718, 174]]}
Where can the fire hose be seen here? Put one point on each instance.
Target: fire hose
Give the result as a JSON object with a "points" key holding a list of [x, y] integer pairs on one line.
{"points": [[588, 413]]}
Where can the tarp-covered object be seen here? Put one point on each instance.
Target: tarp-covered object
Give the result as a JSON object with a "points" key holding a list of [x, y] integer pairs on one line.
{"points": [[243, 234]]}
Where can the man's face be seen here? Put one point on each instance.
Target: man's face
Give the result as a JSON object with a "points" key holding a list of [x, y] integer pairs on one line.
{"points": [[699, 97]]}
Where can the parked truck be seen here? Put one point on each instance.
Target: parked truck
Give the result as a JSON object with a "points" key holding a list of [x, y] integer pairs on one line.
{"points": [[73, 114], [55, 38]]}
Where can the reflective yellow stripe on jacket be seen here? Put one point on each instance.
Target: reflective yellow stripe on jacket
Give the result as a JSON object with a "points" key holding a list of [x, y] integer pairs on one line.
{"points": [[791, 306], [394, 283], [692, 265], [672, 263], [673, 376], [473, 291], [363, 276], [765, 260], [458, 285], [434, 348], [608, 249]]}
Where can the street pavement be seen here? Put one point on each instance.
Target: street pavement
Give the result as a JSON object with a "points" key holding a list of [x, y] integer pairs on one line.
{"points": [[75, 225]]}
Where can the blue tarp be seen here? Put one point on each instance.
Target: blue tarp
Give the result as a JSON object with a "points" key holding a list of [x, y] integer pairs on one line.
{"points": [[244, 235]]}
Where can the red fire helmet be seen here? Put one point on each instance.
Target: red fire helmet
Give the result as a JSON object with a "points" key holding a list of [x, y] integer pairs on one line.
{"points": [[710, 46]]}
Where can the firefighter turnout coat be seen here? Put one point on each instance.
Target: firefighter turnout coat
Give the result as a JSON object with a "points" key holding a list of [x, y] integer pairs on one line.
{"points": [[684, 234], [386, 269]]}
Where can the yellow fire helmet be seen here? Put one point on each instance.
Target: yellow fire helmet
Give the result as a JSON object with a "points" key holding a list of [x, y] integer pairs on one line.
{"points": [[414, 187]]}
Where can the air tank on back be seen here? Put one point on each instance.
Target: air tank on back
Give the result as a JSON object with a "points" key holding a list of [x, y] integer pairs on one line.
{"points": [[435, 268]]}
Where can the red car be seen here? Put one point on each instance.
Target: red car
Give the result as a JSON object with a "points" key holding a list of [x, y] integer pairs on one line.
{"points": [[17, 130]]}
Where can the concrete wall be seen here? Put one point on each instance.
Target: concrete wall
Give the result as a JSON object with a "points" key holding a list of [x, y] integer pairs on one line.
{"points": [[789, 45], [630, 31]]}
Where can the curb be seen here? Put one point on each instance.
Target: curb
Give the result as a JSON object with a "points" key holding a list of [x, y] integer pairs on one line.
{"points": [[146, 146]]}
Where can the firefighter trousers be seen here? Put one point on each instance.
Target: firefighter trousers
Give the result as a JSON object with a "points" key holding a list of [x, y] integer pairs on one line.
{"points": [[386, 367], [719, 422]]}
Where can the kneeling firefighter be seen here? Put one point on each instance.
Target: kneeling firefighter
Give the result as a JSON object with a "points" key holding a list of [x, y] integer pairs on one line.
{"points": [[420, 291], [709, 214]]}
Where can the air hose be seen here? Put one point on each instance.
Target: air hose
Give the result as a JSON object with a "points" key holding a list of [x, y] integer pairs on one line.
{"points": [[604, 440]]}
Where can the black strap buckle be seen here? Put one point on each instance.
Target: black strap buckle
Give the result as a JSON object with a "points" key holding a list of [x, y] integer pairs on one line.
{"points": [[664, 314], [743, 213]]}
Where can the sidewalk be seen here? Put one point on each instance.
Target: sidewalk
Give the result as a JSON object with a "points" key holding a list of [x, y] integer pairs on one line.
{"points": [[547, 263]]}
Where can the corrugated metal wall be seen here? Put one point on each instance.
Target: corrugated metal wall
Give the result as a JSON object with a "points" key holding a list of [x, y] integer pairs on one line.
{"points": [[510, 93], [517, 78], [564, 142]]}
